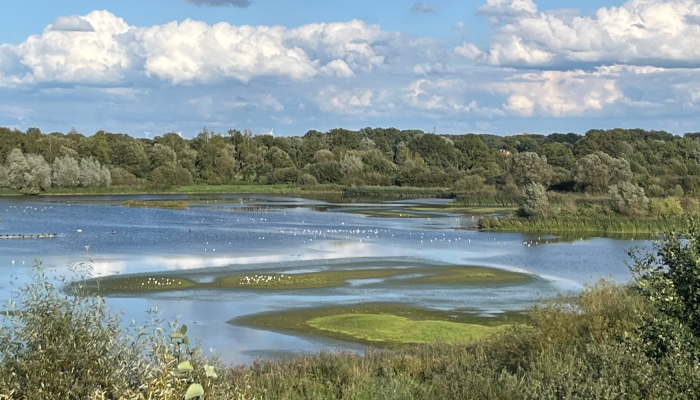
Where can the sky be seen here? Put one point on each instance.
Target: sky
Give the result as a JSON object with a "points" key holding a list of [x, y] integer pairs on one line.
{"points": [[453, 66]]}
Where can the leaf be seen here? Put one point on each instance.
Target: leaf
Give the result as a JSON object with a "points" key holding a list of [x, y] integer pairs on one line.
{"points": [[183, 329], [186, 340], [177, 335], [185, 366], [209, 370], [195, 390]]}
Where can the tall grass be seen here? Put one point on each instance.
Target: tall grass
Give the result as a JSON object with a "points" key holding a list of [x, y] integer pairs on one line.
{"points": [[591, 224]]}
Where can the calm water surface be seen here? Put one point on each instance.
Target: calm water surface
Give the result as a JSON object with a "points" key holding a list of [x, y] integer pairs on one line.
{"points": [[248, 233]]}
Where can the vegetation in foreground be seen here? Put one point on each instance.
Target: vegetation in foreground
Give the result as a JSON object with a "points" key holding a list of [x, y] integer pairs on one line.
{"points": [[640, 341]]}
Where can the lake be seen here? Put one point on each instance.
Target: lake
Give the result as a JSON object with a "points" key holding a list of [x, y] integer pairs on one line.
{"points": [[251, 233]]}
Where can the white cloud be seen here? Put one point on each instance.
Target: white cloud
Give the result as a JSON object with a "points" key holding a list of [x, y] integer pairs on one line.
{"points": [[193, 51], [560, 93], [102, 48], [73, 55], [641, 32]]}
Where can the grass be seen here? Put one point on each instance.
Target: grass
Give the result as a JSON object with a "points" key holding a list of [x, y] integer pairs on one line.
{"points": [[385, 324], [174, 205], [394, 329], [450, 275], [610, 224]]}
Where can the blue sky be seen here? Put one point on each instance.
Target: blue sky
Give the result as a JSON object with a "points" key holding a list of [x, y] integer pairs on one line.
{"points": [[484, 66]]}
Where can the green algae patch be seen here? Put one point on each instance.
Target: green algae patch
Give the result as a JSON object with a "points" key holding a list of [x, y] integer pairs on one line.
{"points": [[385, 324], [173, 205], [392, 328]]}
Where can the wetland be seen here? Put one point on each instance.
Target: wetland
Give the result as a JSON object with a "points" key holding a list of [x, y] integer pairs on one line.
{"points": [[273, 276]]}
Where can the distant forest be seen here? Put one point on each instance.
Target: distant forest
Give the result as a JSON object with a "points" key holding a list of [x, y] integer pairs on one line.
{"points": [[659, 162]]}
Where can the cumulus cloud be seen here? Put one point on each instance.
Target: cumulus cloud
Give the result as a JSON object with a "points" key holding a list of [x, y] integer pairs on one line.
{"points": [[97, 55], [640, 32], [220, 3], [72, 23], [560, 93], [102, 48], [423, 8]]}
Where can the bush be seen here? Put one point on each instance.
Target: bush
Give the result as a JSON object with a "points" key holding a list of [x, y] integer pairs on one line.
{"points": [[628, 199], [68, 345], [536, 202]]}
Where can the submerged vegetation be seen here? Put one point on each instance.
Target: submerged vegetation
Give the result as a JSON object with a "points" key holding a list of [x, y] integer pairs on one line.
{"points": [[637, 341]]}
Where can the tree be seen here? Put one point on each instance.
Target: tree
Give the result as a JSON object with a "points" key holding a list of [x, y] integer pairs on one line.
{"points": [[39, 174], [670, 284], [351, 164], [558, 155], [17, 169], [162, 155], [536, 201], [473, 151], [4, 178], [628, 199], [92, 174], [529, 167], [171, 175], [66, 172], [598, 171]]}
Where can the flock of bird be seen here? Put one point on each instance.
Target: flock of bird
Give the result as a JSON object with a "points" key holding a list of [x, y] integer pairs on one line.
{"points": [[261, 279]]}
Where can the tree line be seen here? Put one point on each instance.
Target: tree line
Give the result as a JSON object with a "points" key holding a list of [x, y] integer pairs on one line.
{"points": [[659, 163]]}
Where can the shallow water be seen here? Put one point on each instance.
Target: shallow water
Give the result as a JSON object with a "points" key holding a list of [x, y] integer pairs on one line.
{"points": [[286, 234]]}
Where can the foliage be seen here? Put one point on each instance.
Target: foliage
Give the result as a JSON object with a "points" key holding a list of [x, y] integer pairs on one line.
{"points": [[628, 199], [598, 171], [670, 283], [536, 202], [661, 163], [529, 167]]}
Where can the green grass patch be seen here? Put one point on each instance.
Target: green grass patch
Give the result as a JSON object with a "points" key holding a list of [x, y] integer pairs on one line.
{"points": [[395, 329], [385, 324], [170, 204]]}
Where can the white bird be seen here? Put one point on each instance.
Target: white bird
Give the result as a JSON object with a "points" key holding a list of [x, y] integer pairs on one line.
{"points": [[79, 230]]}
